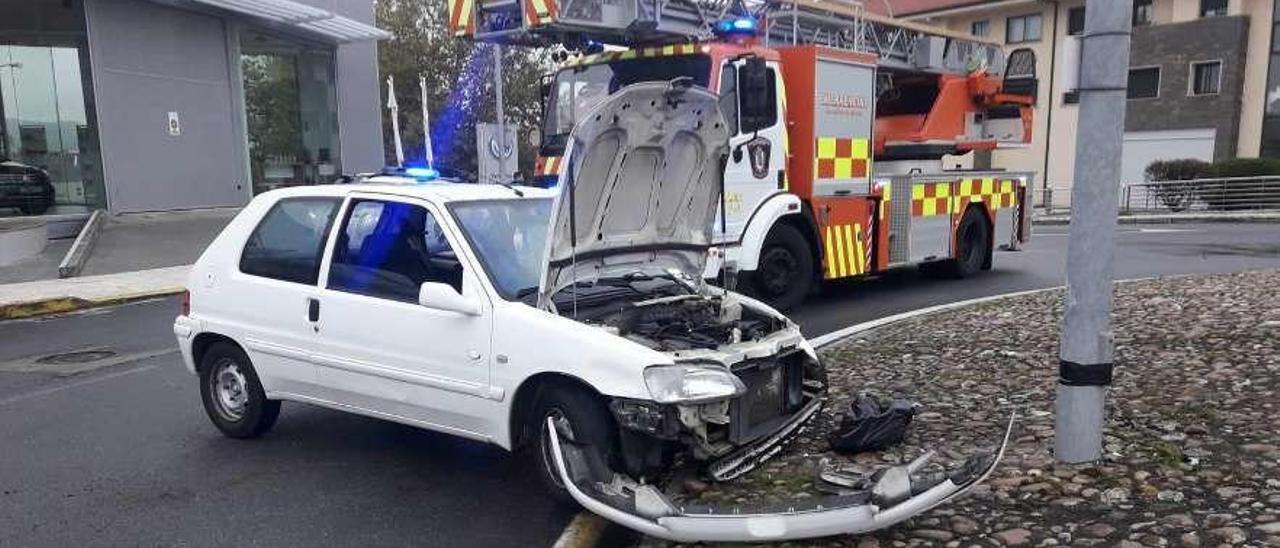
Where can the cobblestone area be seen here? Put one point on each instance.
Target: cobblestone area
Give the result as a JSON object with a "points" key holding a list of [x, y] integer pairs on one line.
{"points": [[1192, 441]]}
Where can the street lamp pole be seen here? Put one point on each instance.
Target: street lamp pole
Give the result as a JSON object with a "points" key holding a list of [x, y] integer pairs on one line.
{"points": [[1087, 346]]}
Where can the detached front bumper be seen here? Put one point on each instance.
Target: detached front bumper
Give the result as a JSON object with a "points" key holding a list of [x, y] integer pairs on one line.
{"points": [[895, 496]]}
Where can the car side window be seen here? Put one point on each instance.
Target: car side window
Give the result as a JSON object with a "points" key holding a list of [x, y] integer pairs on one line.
{"points": [[389, 249], [289, 241]]}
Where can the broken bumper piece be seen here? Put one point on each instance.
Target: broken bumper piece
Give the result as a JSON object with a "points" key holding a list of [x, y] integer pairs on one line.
{"points": [[894, 496]]}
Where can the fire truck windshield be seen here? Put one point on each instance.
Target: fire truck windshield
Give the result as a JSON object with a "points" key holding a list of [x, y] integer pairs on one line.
{"points": [[577, 89]]}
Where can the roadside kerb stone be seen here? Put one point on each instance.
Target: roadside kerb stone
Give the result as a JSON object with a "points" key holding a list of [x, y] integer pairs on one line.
{"points": [[1191, 445]]}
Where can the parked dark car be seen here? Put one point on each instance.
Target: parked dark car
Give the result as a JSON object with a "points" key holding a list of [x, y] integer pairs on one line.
{"points": [[25, 187]]}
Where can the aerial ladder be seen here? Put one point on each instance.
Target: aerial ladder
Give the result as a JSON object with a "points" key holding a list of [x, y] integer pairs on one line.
{"points": [[843, 117]]}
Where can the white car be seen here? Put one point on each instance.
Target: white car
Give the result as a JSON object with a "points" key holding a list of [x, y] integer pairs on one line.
{"points": [[574, 325]]}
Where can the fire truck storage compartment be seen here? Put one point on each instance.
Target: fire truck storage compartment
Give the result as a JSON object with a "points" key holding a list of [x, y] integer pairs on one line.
{"points": [[831, 112], [846, 225]]}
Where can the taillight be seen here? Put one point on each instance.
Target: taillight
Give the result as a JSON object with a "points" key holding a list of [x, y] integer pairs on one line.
{"points": [[185, 308]]}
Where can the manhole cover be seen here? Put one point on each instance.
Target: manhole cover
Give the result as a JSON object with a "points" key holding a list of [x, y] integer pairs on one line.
{"points": [[85, 356]]}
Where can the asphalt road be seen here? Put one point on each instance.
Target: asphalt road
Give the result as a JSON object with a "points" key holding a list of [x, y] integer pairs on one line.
{"points": [[122, 454]]}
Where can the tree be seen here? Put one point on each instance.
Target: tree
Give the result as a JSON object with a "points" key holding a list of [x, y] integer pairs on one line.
{"points": [[459, 80]]}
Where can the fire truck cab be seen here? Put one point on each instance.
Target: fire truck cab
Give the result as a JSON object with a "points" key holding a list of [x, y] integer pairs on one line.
{"points": [[839, 121]]}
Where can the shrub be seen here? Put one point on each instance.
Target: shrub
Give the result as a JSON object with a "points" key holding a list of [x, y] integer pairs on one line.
{"points": [[1177, 170], [1176, 197], [1246, 167]]}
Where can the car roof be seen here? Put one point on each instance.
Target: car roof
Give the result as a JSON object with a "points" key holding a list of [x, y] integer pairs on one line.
{"points": [[434, 191]]}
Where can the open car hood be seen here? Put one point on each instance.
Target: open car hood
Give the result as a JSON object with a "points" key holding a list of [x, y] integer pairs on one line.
{"points": [[898, 493], [640, 192]]}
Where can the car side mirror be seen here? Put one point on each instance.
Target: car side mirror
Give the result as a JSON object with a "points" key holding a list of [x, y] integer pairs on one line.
{"points": [[444, 297]]}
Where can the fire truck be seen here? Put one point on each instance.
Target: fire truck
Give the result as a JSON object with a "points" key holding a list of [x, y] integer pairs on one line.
{"points": [[840, 122]]}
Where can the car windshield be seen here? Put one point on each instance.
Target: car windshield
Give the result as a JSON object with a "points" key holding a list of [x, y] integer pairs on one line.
{"points": [[510, 237], [577, 89]]}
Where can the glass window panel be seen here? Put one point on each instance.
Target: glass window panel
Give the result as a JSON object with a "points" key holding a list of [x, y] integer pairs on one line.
{"points": [[1144, 83], [48, 134], [291, 109]]}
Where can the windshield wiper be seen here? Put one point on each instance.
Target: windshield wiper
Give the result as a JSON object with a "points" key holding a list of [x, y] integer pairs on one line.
{"points": [[513, 188]]}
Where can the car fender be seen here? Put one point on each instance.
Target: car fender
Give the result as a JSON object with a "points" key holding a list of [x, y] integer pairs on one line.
{"points": [[758, 225], [529, 342]]}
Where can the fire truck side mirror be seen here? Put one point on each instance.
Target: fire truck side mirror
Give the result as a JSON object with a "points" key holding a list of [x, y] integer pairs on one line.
{"points": [[753, 79]]}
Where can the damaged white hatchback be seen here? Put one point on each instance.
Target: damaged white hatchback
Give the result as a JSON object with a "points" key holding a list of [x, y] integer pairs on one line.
{"points": [[571, 325]]}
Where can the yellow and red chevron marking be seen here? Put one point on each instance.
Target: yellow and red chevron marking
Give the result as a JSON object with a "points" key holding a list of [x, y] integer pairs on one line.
{"points": [[539, 12], [842, 158], [848, 253], [656, 51], [462, 20], [997, 194], [547, 165], [929, 199]]}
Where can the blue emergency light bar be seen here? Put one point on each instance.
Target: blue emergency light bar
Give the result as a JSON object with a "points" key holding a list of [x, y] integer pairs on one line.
{"points": [[737, 26], [421, 173]]}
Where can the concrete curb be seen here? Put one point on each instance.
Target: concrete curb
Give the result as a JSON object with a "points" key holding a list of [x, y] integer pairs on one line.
{"points": [[1172, 219], [29, 299], [73, 262], [62, 305]]}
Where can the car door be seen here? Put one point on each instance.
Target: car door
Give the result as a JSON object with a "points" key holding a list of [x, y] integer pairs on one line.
{"points": [[378, 349], [263, 299]]}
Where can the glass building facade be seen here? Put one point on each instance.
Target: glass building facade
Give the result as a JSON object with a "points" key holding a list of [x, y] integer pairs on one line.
{"points": [[47, 119]]}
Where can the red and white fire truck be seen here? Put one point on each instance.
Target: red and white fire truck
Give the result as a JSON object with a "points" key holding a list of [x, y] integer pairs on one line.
{"points": [[840, 120]]}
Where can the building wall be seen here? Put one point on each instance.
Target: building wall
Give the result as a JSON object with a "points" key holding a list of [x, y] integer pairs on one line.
{"points": [[149, 60], [1173, 47], [1238, 119]]}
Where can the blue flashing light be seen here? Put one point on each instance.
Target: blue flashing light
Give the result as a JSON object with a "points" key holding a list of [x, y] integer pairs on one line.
{"points": [[421, 173], [737, 25]]}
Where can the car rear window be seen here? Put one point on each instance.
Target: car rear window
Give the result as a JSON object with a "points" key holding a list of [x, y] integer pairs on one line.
{"points": [[289, 241]]}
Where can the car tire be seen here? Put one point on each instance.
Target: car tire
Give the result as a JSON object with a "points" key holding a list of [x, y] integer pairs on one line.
{"points": [[784, 273], [587, 423], [973, 245], [232, 394]]}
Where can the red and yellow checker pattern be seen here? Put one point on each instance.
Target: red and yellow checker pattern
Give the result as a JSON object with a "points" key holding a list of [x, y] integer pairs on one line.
{"points": [[929, 199], [952, 197], [539, 12], [848, 253], [842, 158], [548, 166], [462, 17], [997, 194], [656, 51]]}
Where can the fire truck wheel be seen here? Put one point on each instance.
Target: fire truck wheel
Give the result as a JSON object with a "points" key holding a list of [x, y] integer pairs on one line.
{"points": [[974, 242], [785, 271]]}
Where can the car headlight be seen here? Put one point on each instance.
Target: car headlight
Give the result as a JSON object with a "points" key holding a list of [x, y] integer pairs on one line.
{"points": [[691, 383]]}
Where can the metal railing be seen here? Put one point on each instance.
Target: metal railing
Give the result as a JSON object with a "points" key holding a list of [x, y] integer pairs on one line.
{"points": [[1210, 195]]}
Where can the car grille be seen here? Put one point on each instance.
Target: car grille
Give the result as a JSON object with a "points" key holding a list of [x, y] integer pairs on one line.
{"points": [[773, 394]]}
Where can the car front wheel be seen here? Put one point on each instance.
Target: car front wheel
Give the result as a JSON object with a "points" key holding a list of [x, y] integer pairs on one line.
{"points": [[581, 420], [232, 394]]}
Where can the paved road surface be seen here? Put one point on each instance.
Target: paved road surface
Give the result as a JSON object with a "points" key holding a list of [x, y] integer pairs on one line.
{"points": [[123, 454]]}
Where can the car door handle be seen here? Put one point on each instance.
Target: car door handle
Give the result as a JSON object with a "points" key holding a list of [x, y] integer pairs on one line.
{"points": [[313, 309]]}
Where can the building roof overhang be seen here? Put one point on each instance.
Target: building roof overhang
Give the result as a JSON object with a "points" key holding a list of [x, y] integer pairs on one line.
{"points": [[296, 15]]}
